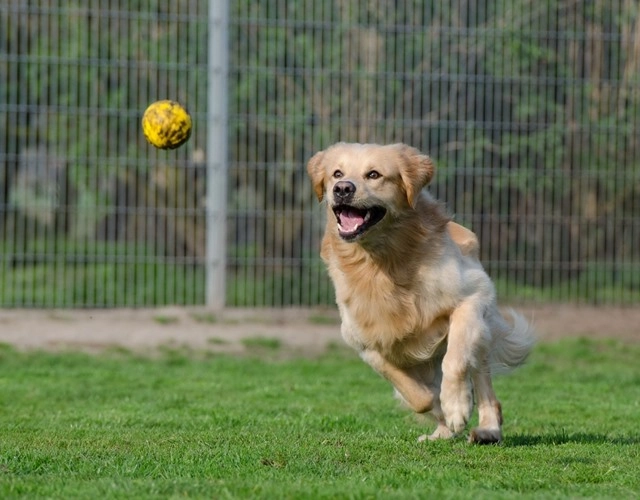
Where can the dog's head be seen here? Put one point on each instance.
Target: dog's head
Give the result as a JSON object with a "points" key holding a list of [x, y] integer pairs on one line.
{"points": [[364, 184]]}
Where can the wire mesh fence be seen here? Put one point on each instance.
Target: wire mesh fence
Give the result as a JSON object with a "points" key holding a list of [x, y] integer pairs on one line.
{"points": [[529, 109]]}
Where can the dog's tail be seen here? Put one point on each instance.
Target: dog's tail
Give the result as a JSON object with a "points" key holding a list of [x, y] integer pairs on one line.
{"points": [[511, 343]]}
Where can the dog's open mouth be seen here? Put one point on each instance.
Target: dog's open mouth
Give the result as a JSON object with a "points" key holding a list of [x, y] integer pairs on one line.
{"points": [[353, 221]]}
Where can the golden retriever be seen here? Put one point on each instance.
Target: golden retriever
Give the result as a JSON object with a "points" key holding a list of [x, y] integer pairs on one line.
{"points": [[414, 300]]}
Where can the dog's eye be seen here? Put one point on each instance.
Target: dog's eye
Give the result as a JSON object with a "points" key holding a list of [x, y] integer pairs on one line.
{"points": [[337, 174], [374, 174]]}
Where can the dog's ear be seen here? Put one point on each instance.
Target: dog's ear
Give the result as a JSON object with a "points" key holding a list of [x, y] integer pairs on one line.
{"points": [[315, 169], [416, 171]]}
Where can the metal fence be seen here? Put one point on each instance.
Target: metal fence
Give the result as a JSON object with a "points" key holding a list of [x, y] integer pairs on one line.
{"points": [[530, 109]]}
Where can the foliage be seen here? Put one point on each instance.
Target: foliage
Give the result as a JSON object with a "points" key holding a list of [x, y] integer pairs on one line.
{"points": [[528, 107], [85, 273], [197, 425]]}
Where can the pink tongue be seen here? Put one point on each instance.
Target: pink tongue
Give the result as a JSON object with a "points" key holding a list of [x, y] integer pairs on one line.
{"points": [[350, 219]]}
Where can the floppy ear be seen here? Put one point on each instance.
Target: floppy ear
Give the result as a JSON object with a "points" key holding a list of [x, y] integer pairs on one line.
{"points": [[316, 172], [416, 171]]}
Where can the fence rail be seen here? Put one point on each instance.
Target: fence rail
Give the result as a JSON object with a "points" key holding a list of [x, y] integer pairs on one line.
{"points": [[529, 108]]}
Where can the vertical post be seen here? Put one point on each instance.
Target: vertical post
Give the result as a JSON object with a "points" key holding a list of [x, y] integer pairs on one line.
{"points": [[217, 135]]}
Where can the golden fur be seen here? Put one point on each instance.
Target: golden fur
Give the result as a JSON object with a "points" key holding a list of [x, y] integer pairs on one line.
{"points": [[414, 300]]}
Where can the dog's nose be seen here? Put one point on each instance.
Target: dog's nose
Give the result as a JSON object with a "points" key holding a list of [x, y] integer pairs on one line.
{"points": [[343, 190]]}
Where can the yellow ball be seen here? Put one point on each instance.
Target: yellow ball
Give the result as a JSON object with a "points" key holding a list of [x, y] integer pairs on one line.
{"points": [[166, 124]]}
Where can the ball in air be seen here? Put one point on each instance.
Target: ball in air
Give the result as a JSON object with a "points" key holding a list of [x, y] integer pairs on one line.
{"points": [[166, 124]]}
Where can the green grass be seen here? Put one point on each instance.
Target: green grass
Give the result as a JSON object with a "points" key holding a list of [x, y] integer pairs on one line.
{"points": [[262, 343], [62, 273], [164, 319], [211, 426], [597, 284]]}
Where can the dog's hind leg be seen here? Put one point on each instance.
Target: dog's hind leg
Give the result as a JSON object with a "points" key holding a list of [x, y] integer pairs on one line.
{"points": [[414, 388], [489, 429], [416, 394]]}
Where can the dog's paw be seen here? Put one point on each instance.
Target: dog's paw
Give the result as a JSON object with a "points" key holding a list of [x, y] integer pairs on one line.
{"points": [[441, 432], [485, 436], [457, 404]]}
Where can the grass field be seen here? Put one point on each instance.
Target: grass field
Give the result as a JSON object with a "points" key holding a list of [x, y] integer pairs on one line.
{"points": [[189, 424], [39, 272]]}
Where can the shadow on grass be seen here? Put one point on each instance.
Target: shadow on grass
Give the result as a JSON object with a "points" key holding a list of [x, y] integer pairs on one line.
{"points": [[560, 437]]}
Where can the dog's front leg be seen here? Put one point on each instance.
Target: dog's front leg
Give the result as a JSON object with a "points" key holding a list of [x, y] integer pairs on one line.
{"points": [[418, 396], [467, 336]]}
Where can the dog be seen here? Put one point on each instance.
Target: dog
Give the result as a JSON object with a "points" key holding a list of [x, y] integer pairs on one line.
{"points": [[414, 299]]}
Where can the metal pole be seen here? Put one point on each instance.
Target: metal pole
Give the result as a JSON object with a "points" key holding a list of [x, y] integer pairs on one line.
{"points": [[217, 134]]}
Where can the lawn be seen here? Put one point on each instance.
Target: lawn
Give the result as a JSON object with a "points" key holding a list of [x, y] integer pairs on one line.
{"points": [[188, 424]]}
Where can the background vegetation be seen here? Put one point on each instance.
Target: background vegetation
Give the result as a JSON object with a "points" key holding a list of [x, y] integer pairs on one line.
{"points": [[528, 107]]}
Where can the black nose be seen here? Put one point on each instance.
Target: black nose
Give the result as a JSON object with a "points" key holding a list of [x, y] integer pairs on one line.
{"points": [[343, 191]]}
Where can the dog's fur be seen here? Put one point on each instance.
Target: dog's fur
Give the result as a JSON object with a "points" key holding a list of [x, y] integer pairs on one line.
{"points": [[415, 301]]}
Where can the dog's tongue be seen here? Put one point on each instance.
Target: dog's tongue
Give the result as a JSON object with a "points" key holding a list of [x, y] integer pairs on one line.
{"points": [[350, 219]]}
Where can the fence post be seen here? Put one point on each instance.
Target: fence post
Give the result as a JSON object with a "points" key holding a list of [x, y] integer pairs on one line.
{"points": [[217, 156]]}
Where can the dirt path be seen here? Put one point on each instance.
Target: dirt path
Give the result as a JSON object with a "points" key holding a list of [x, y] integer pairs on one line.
{"points": [[300, 330]]}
